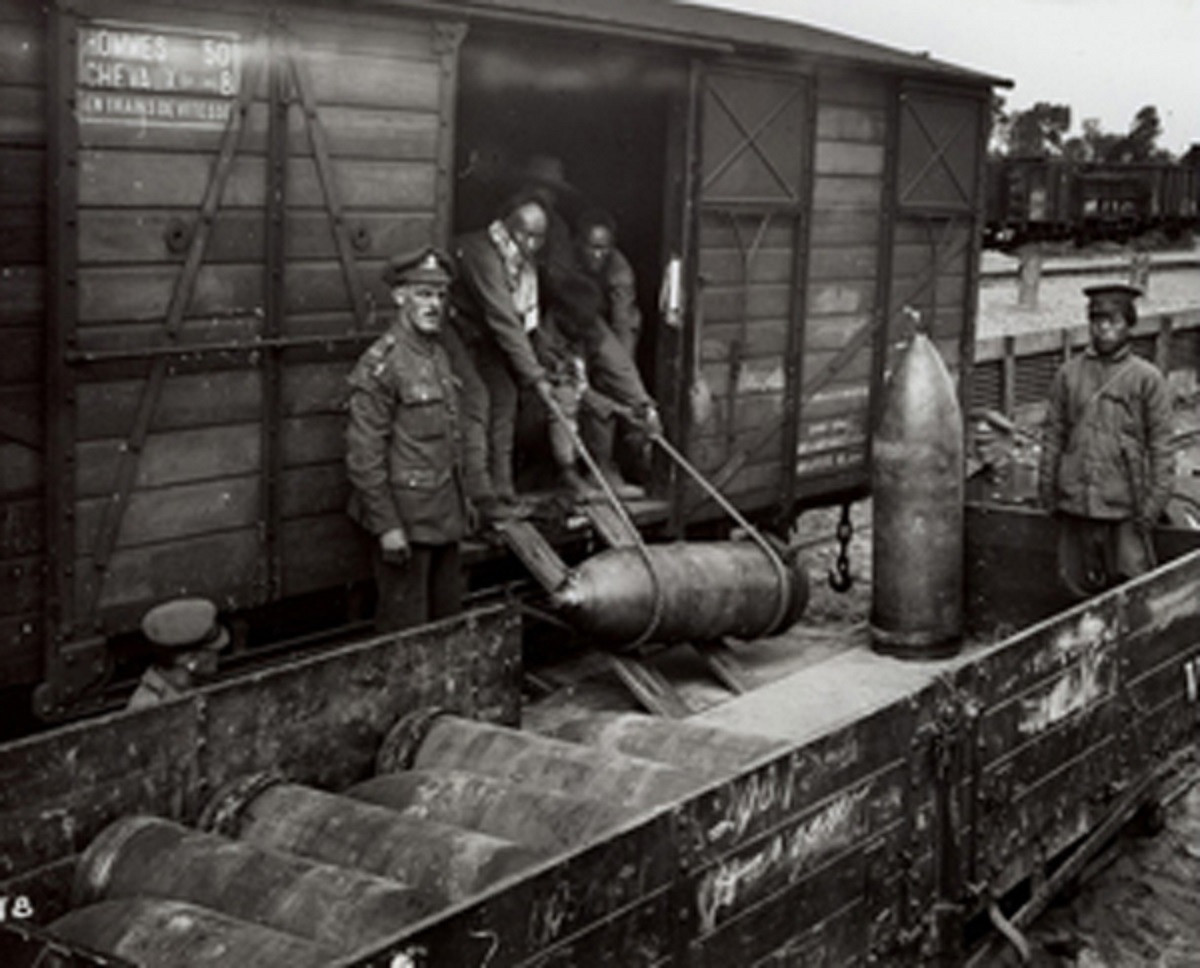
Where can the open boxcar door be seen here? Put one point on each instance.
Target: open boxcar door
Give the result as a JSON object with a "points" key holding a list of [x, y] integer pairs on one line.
{"points": [[751, 145], [229, 183]]}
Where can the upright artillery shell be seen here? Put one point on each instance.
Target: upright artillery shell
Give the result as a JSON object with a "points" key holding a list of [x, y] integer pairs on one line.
{"points": [[442, 861], [917, 512], [433, 740], [704, 750], [338, 908], [537, 818], [705, 590], [155, 932]]}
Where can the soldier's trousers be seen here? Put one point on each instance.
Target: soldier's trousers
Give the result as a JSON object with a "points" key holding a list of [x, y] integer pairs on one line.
{"points": [[426, 587]]}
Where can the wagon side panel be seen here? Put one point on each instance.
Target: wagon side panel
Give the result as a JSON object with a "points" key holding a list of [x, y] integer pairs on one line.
{"points": [[23, 189]]}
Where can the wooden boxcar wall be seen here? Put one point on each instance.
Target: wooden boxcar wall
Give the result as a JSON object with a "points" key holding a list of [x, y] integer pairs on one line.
{"points": [[22, 311], [216, 471]]}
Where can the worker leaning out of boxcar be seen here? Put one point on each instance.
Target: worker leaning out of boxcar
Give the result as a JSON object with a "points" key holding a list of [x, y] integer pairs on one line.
{"points": [[586, 276], [403, 445], [495, 308], [1106, 456]]}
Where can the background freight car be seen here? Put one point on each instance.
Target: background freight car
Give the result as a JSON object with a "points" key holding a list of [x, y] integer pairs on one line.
{"points": [[1032, 199]]}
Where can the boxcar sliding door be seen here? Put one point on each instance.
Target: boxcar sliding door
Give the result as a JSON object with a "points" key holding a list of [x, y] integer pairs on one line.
{"points": [[938, 223], [229, 184], [751, 196]]}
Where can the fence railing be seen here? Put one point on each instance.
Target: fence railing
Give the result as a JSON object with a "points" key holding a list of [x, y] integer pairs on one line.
{"points": [[1014, 372]]}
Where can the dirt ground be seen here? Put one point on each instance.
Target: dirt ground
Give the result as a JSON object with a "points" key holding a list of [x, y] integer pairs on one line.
{"points": [[1142, 910]]}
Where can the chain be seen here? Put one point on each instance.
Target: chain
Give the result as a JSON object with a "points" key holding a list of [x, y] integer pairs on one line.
{"points": [[840, 579]]}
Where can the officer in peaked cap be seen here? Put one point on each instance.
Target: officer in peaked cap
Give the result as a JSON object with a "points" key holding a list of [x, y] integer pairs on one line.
{"points": [[1105, 469], [186, 637], [403, 443], [183, 624], [428, 265]]}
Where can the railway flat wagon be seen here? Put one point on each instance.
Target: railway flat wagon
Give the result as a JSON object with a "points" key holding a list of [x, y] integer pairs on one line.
{"points": [[197, 199], [862, 810]]}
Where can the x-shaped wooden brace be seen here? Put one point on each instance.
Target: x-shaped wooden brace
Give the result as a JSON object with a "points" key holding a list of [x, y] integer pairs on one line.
{"points": [[939, 155], [751, 141]]}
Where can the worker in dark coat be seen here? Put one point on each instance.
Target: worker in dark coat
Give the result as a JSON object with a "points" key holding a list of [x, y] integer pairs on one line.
{"points": [[594, 383], [1106, 460], [403, 446], [604, 263], [601, 290], [495, 309]]}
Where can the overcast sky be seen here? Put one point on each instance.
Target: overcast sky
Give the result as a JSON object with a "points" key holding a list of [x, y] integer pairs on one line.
{"points": [[1103, 58]]}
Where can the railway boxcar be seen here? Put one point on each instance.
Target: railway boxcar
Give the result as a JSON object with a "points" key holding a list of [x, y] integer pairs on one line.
{"points": [[197, 200], [1032, 199]]}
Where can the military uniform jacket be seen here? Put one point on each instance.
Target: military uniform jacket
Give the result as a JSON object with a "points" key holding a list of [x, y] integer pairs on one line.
{"points": [[1106, 451], [403, 440]]}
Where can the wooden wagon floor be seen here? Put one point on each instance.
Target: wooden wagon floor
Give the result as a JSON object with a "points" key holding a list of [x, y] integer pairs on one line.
{"points": [[806, 682]]}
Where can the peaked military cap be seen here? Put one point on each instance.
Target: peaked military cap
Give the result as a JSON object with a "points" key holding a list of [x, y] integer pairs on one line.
{"points": [[185, 623], [426, 264], [1111, 295]]}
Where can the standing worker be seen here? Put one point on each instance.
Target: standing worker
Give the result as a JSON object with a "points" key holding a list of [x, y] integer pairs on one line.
{"points": [[1106, 456], [402, 450], [496, 310]]}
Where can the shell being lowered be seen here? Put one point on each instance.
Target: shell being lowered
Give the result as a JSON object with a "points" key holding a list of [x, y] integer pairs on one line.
{"points": [[704, 590], [917, 513]]}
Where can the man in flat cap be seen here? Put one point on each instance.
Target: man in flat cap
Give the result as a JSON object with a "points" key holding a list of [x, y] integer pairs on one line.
{"points": [[1105, 468], [403, 443]]}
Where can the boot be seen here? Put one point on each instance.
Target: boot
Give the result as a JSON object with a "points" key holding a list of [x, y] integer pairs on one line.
{"points": [[573, 482], [622, 488]]}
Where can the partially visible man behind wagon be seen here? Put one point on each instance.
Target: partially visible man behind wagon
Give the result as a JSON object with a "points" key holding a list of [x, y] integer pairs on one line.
{"points": [[1106, 454], [403, 445]]}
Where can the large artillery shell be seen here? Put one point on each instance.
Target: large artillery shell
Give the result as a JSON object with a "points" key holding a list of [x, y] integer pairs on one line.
{"points": [[155, 932], [693, 591], [436, 742], [703, 750], [445, 862], [155, 857], [537, 818], [917, 513]]}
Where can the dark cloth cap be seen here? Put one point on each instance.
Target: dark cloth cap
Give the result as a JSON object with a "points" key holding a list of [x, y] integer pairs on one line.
{"points": [[427, 264], [547, 171], [1116, 294], [185, 623]]}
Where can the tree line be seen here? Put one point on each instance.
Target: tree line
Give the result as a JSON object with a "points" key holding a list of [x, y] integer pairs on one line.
{"points": [[1042, 131]]}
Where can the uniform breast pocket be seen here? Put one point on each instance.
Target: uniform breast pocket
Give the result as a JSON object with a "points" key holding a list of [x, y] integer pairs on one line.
{"points": [[424, 411]]}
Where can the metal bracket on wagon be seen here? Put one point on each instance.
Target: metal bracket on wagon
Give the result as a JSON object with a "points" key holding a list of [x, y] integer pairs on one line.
{"points": [[82, 668]]}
